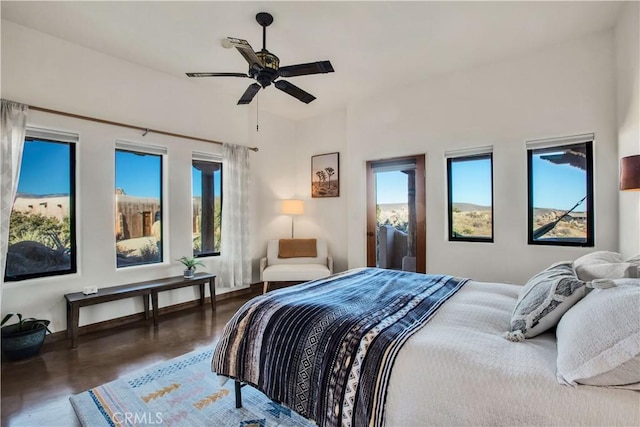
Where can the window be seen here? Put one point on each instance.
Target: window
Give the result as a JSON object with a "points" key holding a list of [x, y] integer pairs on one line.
{"points": [[42, 227], [470, 183], [561, 192], [207, 206], [138, 205]]}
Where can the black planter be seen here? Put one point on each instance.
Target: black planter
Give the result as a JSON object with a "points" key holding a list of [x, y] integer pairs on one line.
{"points": [[18, 344]]}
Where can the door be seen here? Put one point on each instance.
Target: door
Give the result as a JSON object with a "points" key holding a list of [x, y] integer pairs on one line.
{"points": [[396, 214], [146, 223]]}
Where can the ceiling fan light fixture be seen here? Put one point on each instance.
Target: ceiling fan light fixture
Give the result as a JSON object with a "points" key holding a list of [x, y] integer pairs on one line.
{"points": [[269, 60]]}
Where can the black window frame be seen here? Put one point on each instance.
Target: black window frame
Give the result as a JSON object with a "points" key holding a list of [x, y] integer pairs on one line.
{"points": [[214, 253], [590, 240], [451, 236], [161, 173], [73, 248]]}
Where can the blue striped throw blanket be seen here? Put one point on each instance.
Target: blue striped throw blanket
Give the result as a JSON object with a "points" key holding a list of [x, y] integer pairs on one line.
{"points": [[326, 348]]}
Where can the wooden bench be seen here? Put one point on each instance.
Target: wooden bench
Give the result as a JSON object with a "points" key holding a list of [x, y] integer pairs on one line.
{"points": [[146, 289]]}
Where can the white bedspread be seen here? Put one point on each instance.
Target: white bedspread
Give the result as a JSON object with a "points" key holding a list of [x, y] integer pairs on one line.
{"points": [[459, 370]]}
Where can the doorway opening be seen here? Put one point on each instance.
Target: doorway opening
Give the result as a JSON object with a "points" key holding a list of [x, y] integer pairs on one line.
{"points": [[396, 219]]}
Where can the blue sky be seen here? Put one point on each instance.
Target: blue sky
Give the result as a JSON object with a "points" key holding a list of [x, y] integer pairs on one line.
{"points": [[196, 179], [47, 171], [555, 186], [561, 186], [391, 187], [472, 182], [138, 175]]}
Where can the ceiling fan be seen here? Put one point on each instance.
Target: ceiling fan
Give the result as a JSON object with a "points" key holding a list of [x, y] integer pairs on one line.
{"points": [[264, 67]]}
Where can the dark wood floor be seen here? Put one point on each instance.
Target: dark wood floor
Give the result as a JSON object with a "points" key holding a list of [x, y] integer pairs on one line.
{"points": [[35, 392]]}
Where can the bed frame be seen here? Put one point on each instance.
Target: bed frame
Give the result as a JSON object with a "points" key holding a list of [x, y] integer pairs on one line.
{"points": [[238, 387]]}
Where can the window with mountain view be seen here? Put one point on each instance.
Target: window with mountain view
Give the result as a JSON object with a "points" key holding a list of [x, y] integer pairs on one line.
{"points": [[470, 183], [561, 195], [207, 207], [42, 224], [138, 208]]}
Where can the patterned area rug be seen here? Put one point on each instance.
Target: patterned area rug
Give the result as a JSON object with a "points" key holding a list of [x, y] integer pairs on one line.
{"points": [[179, 392]]}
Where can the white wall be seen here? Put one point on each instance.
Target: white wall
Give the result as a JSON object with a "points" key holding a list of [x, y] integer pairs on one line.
{"points": [[48, 72], [272, 180], [563, 90], [324, 217], [627, 37]]}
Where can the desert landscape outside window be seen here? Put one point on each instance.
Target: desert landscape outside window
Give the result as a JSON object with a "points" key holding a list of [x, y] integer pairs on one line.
{"points": [[138, 208], [470, 184], [42, 224], [206, 181], [561, 195]]}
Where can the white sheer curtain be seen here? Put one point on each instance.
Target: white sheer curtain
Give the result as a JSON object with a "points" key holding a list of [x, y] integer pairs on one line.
{"points": [[235, 251], [13, 122]]}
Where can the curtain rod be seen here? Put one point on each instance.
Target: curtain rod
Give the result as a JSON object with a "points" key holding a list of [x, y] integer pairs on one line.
{"points": [[146, 130]]}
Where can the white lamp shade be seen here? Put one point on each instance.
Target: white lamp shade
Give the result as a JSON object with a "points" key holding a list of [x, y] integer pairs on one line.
{"points": [[292, 207]]}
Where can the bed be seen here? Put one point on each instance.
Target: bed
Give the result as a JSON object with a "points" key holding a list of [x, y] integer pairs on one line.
{"points": [[455, 367]]}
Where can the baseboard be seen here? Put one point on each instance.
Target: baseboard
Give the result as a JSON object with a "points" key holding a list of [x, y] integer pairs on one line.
{"points": [[254, 288]]}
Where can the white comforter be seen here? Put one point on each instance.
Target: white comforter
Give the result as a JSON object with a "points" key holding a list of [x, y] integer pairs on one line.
{"points": [[459, 370]]}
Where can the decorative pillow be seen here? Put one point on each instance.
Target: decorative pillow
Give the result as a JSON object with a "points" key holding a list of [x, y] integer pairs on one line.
{"points": [[603, 265], [543, 300], [599, 338], [296, 248], [600, 257]]}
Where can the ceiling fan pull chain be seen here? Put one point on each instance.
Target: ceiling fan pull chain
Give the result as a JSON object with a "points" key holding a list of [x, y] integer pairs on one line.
{"points": [[257, 112]]}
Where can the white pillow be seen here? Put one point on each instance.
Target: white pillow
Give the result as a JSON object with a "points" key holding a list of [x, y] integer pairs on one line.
{"points": [[626, 282], [543, 300], [599, 338], [635, 260], [603, 265], [599, 257]]}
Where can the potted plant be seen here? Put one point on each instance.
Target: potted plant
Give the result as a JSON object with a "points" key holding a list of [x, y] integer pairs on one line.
{"points": [[23, 339], [190, 266]]}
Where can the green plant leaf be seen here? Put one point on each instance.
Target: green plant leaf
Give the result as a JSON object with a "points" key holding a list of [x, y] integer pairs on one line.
{"points": [[27, 323]]}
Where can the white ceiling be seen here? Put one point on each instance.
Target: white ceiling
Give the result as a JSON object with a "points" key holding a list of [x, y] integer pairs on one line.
{"points": [[373, 46]]}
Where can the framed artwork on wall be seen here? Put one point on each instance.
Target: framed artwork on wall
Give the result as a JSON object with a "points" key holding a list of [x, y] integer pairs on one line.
{"points": [[325, 175]]}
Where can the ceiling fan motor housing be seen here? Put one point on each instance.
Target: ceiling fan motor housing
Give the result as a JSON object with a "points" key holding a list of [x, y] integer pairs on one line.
{"points": [[269, 71]]}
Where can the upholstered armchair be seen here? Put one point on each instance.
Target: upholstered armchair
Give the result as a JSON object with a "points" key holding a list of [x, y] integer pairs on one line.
{"points": [[295, 260]]}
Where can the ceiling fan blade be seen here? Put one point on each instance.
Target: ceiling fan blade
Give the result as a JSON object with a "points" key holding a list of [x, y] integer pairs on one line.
{"points": [[305, 69], [246, 51], [248, 94], [217, 75], [294, 91]]}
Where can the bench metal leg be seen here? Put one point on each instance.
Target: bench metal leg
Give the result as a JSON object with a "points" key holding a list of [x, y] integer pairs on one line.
{"points": [[238, 387]]}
